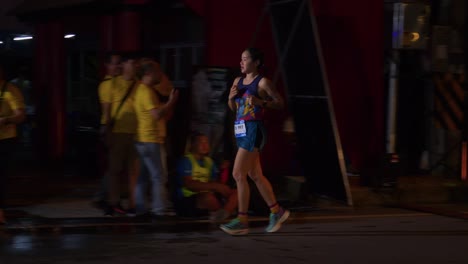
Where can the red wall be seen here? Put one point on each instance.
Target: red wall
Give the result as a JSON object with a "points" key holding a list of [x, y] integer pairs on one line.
{"points": [[352, 41], [49, 90]]}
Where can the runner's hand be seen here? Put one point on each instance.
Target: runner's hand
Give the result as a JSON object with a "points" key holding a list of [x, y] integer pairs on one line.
{"points": [[233, 93]]}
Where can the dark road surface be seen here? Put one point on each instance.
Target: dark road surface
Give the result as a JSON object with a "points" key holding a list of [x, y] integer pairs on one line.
{"points": [[393, 236]]}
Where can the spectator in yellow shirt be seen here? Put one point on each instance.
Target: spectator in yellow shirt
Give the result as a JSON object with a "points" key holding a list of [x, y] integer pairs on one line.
{"points": [[150, 137], [113, 69], [121, 128], [12, 113], [200, 187]]}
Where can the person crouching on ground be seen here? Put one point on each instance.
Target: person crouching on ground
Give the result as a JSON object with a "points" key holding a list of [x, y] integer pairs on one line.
{"points": [[200, 187]]}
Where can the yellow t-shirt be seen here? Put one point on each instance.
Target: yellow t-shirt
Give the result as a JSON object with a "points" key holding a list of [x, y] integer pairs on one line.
{"points": [[125, 121], [104, 92], [12, 100], [148, 130]]}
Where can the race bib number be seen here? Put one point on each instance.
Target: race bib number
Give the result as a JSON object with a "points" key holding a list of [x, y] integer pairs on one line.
{"points": [[239, 128]]}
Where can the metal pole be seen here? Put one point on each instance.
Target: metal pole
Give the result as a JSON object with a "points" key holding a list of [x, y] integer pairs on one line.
{"points": [[464, 145], [392, 104], [289, 40], [331, 108]]}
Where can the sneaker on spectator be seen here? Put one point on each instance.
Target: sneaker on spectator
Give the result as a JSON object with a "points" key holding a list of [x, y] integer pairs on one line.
{"points": [[114, 210], [131, 212], [166, 212], [119, 210]]}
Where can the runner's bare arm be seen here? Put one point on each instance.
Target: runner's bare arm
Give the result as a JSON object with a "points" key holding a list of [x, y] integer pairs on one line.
{"points": [[273, 98]]}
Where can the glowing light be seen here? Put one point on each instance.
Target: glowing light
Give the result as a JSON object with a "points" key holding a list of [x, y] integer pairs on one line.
{"points": [[415, 36], [22, 38]]}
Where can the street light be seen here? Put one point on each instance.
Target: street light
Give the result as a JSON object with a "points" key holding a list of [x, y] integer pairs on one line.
{"points": [[67, 36], [22, 38]]}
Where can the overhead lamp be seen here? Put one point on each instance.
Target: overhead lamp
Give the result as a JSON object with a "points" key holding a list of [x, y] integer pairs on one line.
{"points": [[22, 38], [31, 37]]}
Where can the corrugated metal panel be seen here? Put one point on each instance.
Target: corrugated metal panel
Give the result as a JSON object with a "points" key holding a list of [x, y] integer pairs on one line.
{"points": [[449, 101]]}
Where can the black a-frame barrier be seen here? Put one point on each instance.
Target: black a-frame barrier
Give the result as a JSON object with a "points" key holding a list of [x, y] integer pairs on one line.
{"points": [[302, 69]]}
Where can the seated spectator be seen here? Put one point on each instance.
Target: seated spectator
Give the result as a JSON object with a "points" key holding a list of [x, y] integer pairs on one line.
{"points": [[199, 190]]}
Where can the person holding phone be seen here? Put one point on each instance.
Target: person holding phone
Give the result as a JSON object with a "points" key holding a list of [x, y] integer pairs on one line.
{"points": [[152, 116]]}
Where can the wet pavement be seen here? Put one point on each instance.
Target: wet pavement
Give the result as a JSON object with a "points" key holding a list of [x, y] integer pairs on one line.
{"points": [[51, 220], [373, 236]]}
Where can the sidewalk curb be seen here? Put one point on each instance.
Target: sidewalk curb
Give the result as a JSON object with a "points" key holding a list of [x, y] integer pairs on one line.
{"points": [[436, 211]]}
